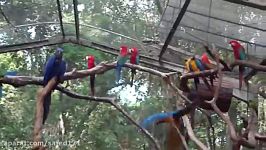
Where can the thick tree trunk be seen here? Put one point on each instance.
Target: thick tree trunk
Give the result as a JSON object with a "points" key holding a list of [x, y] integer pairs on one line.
{"points": [[37, 132]]}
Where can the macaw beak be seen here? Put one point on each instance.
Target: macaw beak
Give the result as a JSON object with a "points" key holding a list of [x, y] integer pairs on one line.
{"points": [[130, 51], [86, 57]]}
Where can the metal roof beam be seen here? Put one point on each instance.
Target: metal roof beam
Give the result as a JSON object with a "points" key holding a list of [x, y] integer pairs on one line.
{"points": [[60, 17], [76, 15], [173, 29], [259, 4], [220, 19], [31, 45], [216, 34]]}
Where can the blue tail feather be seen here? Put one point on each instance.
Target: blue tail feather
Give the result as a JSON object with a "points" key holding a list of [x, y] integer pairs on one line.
{"points": [[11, 73], [155, 118], [1, 91], [46, 107], [118, 73]]}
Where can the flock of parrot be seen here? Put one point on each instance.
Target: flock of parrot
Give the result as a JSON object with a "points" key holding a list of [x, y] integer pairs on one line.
{"points": [[56, 67], [122, 59], [196, 64]]}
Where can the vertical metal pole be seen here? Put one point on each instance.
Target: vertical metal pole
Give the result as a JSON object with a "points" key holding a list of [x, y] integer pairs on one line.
{"points": [[175, 25], [76, 15], [60, 18]]}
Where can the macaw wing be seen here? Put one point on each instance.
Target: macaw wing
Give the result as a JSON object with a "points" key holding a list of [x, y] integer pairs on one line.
{"points": [[122, 60], [199, 65], [194, 66], [62, 70], [137, 60], [48, 73], [155, 119], [242, 55]]}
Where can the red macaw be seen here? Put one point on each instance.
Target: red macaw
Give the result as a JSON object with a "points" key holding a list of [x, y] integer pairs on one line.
{"points": [[121, 60], [91, 64], [239, 54], [206, 62], [134, 59]]}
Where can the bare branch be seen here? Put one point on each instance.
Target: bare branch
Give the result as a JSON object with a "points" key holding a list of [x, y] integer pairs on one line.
{"points": [[180, 135], [184, 78], [254, 71], [250, 142], [226, 68], [113, 103], [37, 134], [248, 64], [192, 135], [17, 81]]}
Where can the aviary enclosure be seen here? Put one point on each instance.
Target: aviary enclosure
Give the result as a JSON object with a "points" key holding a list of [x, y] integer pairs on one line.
{"points": [[142, 74]]}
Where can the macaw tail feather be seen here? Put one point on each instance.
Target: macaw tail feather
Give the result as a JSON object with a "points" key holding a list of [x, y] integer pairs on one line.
{"points": [[212, 78], [92, 82], [133, 72], [156, 118], [1, 91], [46, 107], [118, 73], [206, 83], [196, 82], [241, 71]]}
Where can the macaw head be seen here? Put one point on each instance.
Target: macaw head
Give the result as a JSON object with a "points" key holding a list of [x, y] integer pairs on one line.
{"points": [[90, 59], [205, 59], [235, 45], [59, 54], [134, 51], [123, 51]]}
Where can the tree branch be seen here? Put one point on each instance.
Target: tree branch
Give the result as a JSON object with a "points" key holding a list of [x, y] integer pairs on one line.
{"points": [[184, 78], [254, 71], [192, 135], [113, 103], [226, 68], [18, 81], [250, 142], [249, 64], [37, 134]]}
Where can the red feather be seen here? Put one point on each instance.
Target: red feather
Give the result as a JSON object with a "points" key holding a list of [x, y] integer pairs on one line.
{"points": [[237, 48], [91, 64], [205, 59], [123, 51], [134, 54]]}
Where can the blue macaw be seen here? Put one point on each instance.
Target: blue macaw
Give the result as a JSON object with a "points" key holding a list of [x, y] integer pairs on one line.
{"points": [[55, 66], [161, 118]]}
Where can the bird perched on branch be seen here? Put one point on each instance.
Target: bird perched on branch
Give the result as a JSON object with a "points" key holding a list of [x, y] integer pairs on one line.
{"points": [[166, 116], [194, 64], [208, 65], [134, 59], [91, 64], [121, 60], [239, 54], [55, 67]]}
